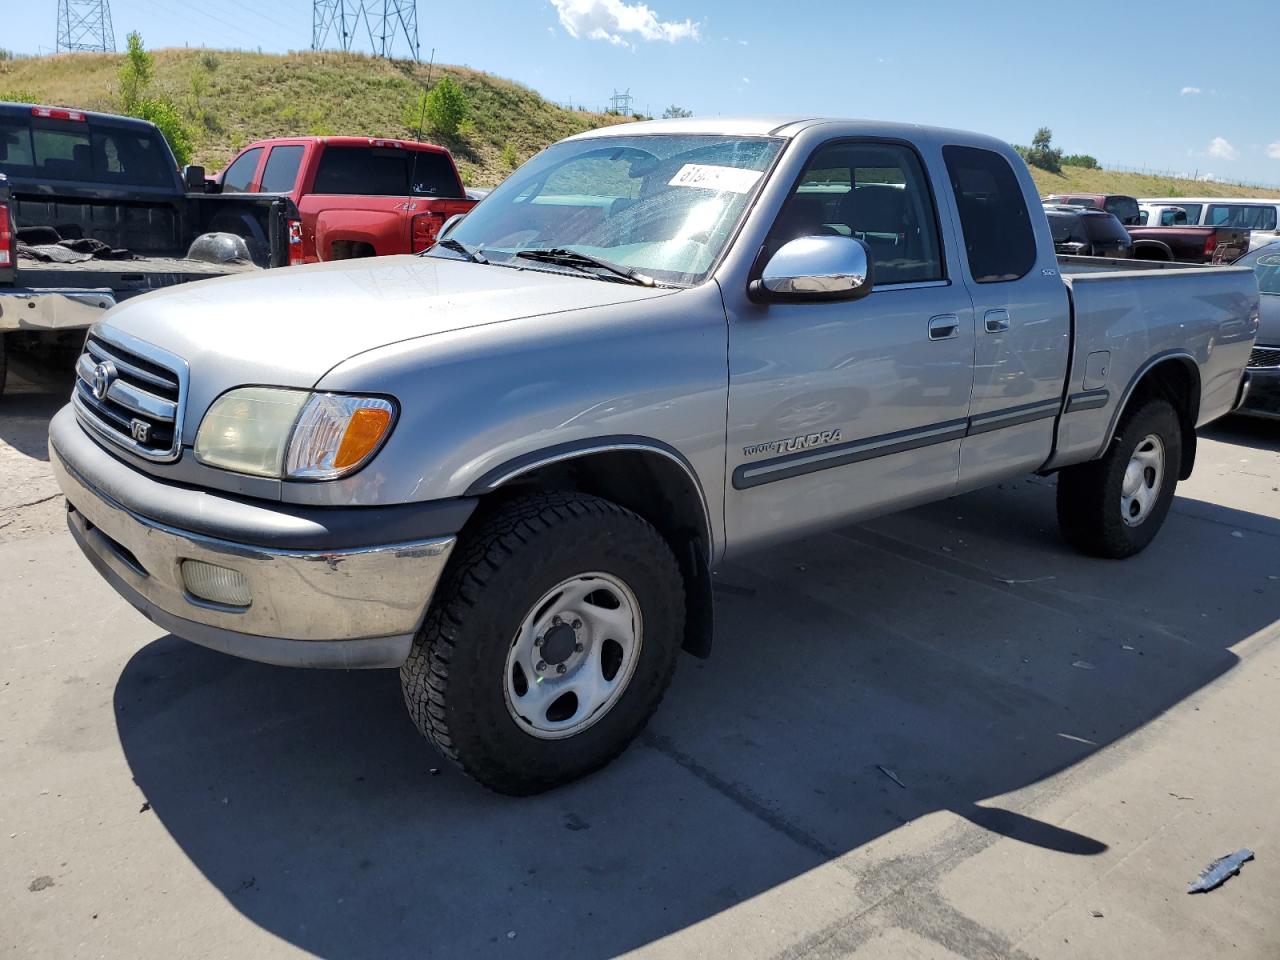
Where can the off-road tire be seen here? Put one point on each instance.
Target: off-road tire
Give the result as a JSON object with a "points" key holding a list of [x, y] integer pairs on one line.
{"points": [[453, 681], [1089, 494]]}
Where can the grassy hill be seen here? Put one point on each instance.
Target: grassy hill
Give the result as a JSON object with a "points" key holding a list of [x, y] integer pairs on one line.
{"points": [[1082, 180], [231, 98]]}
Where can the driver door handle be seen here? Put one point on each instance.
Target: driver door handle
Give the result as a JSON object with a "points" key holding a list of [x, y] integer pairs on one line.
{"points": [[945, 327]]}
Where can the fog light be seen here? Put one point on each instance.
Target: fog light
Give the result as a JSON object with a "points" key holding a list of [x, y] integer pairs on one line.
{"points": [[216, 584]]}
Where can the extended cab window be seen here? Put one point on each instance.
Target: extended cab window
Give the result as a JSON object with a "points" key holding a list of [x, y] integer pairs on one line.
{"points": [[77, 150], [386, 172], [875, 192], [240, 174], [998, 238], [282, 169], [1241, 216]]}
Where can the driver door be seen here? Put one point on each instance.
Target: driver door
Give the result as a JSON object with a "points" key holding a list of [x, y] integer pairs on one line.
{"points": [[841, 409]]}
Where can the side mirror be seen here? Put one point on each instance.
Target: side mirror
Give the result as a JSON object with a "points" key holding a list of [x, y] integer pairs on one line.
{"points": [[449, 225], [815, 269], [193, 179]]}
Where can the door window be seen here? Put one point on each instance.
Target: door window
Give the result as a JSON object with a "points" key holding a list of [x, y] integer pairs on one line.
{"points": [[876, 192], [282, 169], [998, 238], [239, 175], [1241, 216]]}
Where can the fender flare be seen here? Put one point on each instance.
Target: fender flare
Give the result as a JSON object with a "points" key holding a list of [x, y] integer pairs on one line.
{"points": [[1189, 429]]}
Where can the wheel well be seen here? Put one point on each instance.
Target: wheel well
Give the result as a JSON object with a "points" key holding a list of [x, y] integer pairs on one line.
{"points": [[658, 488], [351, 250], [1151, 250], [1177, 380]]}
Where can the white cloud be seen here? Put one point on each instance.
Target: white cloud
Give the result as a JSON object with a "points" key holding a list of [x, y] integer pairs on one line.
{"points": [[1189, 91], [744, 42], [1207, 177], [746, 79], [614, 20], [1221, 148], [1273, 150]]}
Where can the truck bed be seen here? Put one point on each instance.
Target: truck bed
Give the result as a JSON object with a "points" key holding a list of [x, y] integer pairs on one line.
{"points": [[125, 277]]}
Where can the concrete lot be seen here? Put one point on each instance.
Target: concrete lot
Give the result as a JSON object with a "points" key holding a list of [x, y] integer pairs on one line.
{"points": [[1074, 738]]}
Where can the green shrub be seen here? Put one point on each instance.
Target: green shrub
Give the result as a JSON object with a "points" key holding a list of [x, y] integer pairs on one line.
{"points": [[165, 116], [447, 108], [509, 159], [1081, 160], [135, 73], [1042, 153]]}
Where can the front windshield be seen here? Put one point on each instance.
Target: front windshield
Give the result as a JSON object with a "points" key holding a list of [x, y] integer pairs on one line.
{"points": [[1266, 266], [662, 205]]}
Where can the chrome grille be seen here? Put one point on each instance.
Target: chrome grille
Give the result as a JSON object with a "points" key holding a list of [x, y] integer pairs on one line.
{"points": [[131, 394], [1264, 357]]}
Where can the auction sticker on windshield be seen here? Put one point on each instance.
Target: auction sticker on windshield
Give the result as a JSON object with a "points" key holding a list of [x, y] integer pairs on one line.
{"points": [[732, 179]]}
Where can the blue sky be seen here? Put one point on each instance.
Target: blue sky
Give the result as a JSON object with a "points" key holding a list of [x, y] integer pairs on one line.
{"points": [[1136, 84]]}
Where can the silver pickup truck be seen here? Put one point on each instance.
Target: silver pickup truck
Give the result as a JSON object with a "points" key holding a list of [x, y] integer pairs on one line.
{"points": [[508, 466]]}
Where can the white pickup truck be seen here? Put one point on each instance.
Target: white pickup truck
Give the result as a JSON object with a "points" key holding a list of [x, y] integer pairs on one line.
{"points": [[507, 467]]}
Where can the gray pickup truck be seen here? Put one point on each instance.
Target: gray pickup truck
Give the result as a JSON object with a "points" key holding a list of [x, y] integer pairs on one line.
{"points": [[508, 466]]}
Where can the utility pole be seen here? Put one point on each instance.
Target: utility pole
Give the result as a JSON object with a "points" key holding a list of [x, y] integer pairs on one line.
{"points": [[85, 25], [621, 102], [384, 22]]}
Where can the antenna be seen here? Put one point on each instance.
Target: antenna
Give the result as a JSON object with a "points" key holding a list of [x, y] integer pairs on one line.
{"points": [[621, 102], [385, 21], [85, 25]]}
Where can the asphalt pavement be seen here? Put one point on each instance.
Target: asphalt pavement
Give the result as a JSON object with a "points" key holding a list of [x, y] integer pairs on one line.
{"points": [[940, 734]]}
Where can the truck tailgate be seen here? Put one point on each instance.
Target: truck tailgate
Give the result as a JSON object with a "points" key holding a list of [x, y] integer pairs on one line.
{"points": [[1128, 315]]}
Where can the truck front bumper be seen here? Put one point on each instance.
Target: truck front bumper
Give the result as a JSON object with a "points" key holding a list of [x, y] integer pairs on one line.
{"points": [[1261, 396], [348, 607], [70, 309]]}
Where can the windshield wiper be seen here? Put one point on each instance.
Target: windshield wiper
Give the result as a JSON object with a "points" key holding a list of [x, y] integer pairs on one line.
{"points": [[585, 261], [457, 246]]}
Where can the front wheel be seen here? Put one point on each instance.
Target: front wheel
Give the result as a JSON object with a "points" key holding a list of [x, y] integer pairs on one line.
{"points": [[550, 642], [1114, 506]]}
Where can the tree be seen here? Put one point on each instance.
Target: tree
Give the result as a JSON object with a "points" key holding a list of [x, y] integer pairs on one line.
{"points": [[135, 76], [673, 113], [135, 73], [1042, 153]]}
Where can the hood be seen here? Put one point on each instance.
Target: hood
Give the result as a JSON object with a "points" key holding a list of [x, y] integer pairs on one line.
{"points": [[288, 327]]}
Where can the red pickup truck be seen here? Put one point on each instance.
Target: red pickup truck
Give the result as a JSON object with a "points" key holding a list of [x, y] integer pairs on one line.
{"points": [[358, 196]]}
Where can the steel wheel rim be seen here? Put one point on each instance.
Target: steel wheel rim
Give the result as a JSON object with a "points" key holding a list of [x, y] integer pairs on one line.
{"points": [[573, 656], [1143, 477]]}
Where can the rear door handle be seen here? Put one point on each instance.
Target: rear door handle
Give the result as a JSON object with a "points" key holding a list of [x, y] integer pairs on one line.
{"points": [[996, 321], [945, 327]]}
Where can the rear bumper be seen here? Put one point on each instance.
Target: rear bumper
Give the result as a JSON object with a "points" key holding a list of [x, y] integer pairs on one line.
{"points": [[346, 607], [71, 309]]}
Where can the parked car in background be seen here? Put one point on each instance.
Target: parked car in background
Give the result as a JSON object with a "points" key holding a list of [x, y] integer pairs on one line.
{"points": [[1085, 232], [1189, 244], [1162, 215], [656, 346], [358, 196], [93, 211], [1263, 398], [1260, 217], [1122, 207]]}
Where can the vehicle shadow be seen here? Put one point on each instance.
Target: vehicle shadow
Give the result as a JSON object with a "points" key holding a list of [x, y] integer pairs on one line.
{"points": [[35, 391], [1259, 433], [860, 680]]}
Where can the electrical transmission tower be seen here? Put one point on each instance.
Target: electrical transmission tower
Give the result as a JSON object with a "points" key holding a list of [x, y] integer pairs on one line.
{"points": [[85, 25], [382, 21], [622, 102]]}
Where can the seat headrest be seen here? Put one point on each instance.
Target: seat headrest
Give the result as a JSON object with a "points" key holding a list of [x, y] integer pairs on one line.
{"points": [[875, 209]]}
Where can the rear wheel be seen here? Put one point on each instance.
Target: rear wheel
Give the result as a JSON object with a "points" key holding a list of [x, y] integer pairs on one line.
{"points": [[1114, 506], [550, 642]]}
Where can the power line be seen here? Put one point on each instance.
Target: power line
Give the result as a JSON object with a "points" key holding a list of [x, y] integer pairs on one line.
{"points": [[85, 25]]}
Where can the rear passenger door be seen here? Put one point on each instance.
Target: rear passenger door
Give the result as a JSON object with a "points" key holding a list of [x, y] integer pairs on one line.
{"points": [[839, 409], [1021, 313]]}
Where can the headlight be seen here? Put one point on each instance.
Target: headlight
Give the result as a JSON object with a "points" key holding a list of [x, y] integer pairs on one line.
{"points": [[294, 434]]}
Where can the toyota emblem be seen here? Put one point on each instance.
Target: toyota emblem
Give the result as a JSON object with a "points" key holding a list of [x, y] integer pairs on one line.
{"points": [[103, 374]]}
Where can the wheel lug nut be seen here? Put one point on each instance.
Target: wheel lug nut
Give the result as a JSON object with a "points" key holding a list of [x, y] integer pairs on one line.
{"points": [[578, 648], [561, 668], [577, 624], [540, 665], [540, 641], [556, 621]]}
